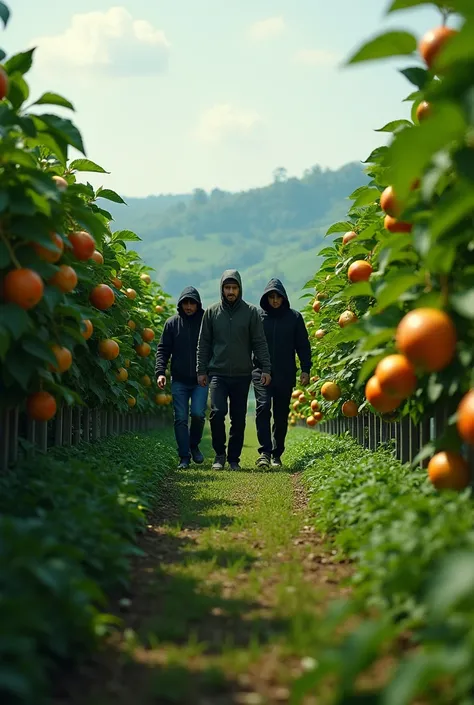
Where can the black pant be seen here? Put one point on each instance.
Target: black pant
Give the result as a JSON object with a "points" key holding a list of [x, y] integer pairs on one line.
{"points": [[272, 441], [236, 390]]}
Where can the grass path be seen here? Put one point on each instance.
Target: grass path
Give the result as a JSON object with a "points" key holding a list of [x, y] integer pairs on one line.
{"points": [[224, 606]]}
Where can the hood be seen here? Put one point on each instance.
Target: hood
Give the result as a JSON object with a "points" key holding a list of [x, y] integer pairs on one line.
{"points": [[274, 285], [189, 292], [231, 274]]}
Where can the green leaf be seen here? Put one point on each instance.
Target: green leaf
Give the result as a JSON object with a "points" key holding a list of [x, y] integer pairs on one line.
{"points": [[416, 75], [390, 291], [460, 48], [453, 207], [464, 162], [394, 43], [21, 367], [20, 63], [376, 156], [49, 98], [15, 319], [4, 342], [368, 367], [4, 13], [369, 196], [395, 126], [109, 195], [126, 236], [4, 255], [340, 227], [36, 347], [86, 165], [65, 129], [463, 303], [18, 91]]}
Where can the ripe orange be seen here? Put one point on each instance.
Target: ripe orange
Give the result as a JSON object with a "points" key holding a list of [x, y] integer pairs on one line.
{"points": [[63, 357], [83, 245], [320, 296], [348, 237], [317, 416], [465, 421], [41, 406], [433, 42], [23, 287], [121, 375], [396, 226], [88, 329], [389, 203], [311, 421], [4, 83], [315, 405], [60, 182], [161, 399], [117, 282], [316, 306], [131, 294], [145, 278], [102, 297], [427, 337], [380, 401], [295, 394], [148, 334], [350, 409], [448, 471], [330, 391], [396, 376], [159, 309], [127, 363], [314, 379], [48, 255], [346, 318], [296, 404], [302, 398], [143, 350], [65, 279], [320, 333], [146, 381], [423, 111], [359, 271], [97, 257], [132, 325], [108, 349], [131, 401]]}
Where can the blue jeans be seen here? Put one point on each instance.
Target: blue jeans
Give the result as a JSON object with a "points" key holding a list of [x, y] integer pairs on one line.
{"points": [[188, 436]]}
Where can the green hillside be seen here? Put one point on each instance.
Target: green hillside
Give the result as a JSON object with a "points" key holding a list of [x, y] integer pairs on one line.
{"points": [[272, 231]]}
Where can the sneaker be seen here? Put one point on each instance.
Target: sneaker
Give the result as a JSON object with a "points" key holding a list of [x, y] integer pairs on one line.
{"points": [[183, 464], [234, 466], [276, 463], [197, 456], [219, 462], [263, 461]]}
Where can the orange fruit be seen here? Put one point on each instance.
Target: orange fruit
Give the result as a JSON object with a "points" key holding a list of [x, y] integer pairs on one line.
{"points": [[465, 422], [331, 391], [145, 278], [389, 203], [320, 296], [449, 471], [348, 237], [65, 279], [108, 349], [97, 257], [102, 297], [311, 421], [121, 375], [396, 376], [427, 337], [159, 309], [423, 111], [433, 42], [320, 333], [396, 226], [302, 398], [161, 399], [309, 324], [48, 255], [132, 325], [380, 401], [88, 329], [314, 379], [83, 245], [296, 404], [117, 282], [131, 294], [317, 416], [148, 334], [63, 357], [350, 409], [41, 406], [146, 381], [4, 83], [60, 182], [359, 271], [131, 401], [143, 350], [316, 306], [346, 318], [23, 287], [315, 405], [295, 394], [127, 363]]}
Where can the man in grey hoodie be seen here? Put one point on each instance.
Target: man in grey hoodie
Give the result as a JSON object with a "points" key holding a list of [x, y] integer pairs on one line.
{"points": [[231, 330]]}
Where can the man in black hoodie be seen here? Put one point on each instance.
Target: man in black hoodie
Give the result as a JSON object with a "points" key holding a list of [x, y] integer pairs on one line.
{"points": [[286, 335], [179, 341], [231, 330]]}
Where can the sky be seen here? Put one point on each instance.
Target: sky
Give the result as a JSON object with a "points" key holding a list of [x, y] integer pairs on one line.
{"points": [[172, 95]]}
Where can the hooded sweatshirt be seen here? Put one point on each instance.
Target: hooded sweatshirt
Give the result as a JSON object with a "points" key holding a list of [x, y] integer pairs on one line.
{"points": [[230, 333], [286, 335], [179, 341]]}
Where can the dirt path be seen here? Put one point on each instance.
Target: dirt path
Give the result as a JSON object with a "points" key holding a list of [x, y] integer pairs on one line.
{"points": [[225, 604]]}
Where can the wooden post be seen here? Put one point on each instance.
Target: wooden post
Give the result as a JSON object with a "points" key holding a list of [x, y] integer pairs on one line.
{"points": [[414, 435], [58, 427], [77, 415], [4, 439], [95, 430], [42, 435], [86, 424], [67, 426]]}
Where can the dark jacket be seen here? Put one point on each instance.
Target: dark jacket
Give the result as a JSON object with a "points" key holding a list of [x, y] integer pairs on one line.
{"points": [[229, 335], [286, 335], [179, 341]]}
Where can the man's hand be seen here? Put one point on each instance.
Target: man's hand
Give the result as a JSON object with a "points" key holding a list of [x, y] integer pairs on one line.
{"points": [[304, 379], [202, 380], [161, 381], [265, 379]]}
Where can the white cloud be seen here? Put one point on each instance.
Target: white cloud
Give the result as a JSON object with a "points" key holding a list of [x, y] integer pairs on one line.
{"points": [[315, 57], [223, 120], [267, 29], [112, 41]]}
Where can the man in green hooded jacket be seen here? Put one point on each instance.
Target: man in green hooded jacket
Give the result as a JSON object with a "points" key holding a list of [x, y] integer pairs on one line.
{"points": [[231, 330]]}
